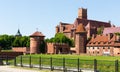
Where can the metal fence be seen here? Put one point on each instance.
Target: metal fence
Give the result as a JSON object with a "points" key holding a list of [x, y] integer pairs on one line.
{"points": [[64, 64]]}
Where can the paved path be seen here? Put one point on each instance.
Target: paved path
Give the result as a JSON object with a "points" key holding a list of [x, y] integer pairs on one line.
{"points": [[13, 69]]}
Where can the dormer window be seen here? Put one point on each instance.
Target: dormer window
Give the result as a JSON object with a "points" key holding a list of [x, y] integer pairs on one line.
{"points": [[109, 42], [90, 43], [105, 42], [98, 42]]}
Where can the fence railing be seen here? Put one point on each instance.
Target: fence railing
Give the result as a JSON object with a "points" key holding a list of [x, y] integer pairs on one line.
{"points": [[65, 64]]}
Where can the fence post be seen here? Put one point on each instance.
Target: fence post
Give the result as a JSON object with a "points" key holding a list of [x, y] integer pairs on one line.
{"points": [[95, 65], [78, 64], [116, 66], [21, 61], [30, 62], [40, 63], [51, 64], [15, 61], [6, 60], [64, 69], [1, 61]]}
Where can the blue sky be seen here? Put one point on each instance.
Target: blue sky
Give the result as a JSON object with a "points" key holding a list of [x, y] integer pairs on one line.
{"points": [[27, 15]]}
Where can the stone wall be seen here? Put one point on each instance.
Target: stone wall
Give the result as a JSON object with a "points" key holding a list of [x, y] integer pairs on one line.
{"points": [[21, 49], [58, 48]]}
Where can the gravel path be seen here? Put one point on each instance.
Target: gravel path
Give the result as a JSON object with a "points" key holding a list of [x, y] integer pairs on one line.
{"points": [[13, 69]]}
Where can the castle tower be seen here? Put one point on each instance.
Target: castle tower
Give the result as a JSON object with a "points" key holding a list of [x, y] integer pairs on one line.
{"points": [[18, 34], [36, 40], [82, 13], [80, 41]]}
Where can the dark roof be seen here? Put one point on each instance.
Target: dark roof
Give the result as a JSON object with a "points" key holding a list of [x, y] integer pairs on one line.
{"points": [[37, 34], [18, 33]]}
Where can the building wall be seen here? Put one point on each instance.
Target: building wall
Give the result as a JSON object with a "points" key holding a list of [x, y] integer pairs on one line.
{"points": [[21, 49], [116, 51], [58, 48], [67, 35], [80, 43], [34, 45], [50, 48], [112, 51]]}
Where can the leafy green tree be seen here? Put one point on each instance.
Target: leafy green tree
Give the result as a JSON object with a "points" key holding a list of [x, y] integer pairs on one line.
{"points": [[6, 41], [21, 42], [118, 34], [100, 30], [61, 38]]}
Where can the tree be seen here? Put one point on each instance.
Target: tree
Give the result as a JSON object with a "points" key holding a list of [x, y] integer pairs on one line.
{"points": [[117, 33], [100, 30], [9, 41], [61, 38], [21, 42], [6, 41]]}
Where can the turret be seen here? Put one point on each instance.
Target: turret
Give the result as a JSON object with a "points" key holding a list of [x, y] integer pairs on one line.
{"points": [[36, 39], [80, 41]]}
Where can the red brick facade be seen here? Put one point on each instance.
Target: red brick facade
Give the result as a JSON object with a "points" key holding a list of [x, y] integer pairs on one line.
{"points": [[104, 45], [58, 48], [36, 39], [91, 26], [80, 41], [21, 49]]}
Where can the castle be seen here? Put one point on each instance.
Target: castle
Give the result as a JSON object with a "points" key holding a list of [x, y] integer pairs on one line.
{"points": [[84, 33]]}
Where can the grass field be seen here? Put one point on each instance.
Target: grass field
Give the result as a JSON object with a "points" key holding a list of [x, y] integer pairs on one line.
{"points": [[104, 63]]}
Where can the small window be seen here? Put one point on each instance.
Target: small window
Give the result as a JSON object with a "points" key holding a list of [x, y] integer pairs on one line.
{"points": [[94, 42], [109, 42], [105, 42], [103, 47], [98, 42], [90, 43], [97, 47], [98, 52]]}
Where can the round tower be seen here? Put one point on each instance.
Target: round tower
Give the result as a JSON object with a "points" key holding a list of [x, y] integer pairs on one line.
{"points": [[80, 41], [36, 40]]}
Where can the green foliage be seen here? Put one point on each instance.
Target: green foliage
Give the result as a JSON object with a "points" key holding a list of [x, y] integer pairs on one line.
{"points": [[8, 41], [21, 42], [118, 34], [61, 38], [104, 63], [100, 30]]}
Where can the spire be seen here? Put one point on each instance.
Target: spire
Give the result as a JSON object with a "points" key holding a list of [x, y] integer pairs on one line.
{"points": [[18, 33]]}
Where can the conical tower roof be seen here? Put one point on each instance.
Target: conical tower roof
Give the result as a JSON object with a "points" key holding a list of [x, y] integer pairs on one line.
{"points": [[80, 28], [37, 33], [18, 33]]}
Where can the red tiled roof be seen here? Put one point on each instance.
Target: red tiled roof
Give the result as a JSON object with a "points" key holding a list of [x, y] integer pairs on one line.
{"points": [[67, 26], [80, 28], [37, 34], [111, 30], [102, 40]]}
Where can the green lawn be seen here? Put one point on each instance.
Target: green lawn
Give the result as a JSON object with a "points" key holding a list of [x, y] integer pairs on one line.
{"points": [[104, 63]]}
